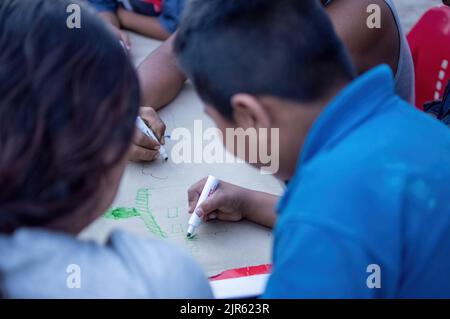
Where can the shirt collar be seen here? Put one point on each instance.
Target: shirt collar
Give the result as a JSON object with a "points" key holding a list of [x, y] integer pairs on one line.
{"points": [[353, 105]]}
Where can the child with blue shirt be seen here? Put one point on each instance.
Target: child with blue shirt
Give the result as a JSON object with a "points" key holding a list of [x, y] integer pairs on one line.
{"points": [[68, 104], [161, 79], [366, 213], [157, 19]]}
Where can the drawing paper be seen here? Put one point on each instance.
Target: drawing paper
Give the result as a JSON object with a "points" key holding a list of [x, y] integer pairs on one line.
{"points": [[158, 191]]}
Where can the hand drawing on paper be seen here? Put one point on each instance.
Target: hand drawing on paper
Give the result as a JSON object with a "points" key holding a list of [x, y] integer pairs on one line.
{"points": [[158, 192]]}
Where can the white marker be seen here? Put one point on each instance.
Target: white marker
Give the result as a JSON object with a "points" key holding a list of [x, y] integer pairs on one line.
{"points": [[210, 187], [147, 131]]}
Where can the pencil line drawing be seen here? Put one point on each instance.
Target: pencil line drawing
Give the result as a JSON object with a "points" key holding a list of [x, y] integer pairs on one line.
{"points": [[192, 246], [177, 229], [172, 212], [159, 177], [146, 171]]}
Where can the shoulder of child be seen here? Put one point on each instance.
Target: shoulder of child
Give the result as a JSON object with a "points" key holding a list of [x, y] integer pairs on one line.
{"points": [[167, 271]]}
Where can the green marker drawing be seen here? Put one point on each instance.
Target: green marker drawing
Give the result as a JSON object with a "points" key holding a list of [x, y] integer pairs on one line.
{"points": [[143, 207], [121, 213], [192, 237], [192, 244]]}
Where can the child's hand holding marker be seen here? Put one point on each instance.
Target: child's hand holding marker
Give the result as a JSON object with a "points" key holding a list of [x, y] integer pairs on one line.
{"points": [[210, 187], [146, 148], [225, 204], [114, 24], [232, 203], [124, 39]]}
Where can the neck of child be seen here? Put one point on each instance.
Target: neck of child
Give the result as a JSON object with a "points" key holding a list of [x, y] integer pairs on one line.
{"points": [[294, 121]]}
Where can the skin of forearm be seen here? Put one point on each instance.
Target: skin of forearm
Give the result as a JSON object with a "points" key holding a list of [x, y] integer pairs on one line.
{"points": [[367, 47], [148, 26], [111, 18], [259, 208], [160, 77]]}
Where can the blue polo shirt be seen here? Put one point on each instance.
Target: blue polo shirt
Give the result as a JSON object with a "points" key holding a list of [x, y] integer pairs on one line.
{"points": [[367, 214]]}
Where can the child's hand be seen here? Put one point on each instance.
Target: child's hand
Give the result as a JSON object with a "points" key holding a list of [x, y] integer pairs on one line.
{"points": [[145, 149], [227, 202], [123, 37], [112, 20], [233, 203]]}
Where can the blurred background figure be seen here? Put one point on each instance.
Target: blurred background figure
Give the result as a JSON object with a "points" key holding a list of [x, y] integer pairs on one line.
{"points": [[153, 18], [429, 40]]}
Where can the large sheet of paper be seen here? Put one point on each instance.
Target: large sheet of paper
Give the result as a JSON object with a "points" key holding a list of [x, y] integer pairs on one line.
{"points": [[157, 193]]}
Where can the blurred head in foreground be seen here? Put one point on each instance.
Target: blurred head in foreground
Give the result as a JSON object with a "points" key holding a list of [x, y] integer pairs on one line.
{"points": [[68, 101]]}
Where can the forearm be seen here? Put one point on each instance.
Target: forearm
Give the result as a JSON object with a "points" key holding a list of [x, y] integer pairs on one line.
{"points": [[368, 47], [111, 18], [145, 25], [259, 208], [160, 77]]}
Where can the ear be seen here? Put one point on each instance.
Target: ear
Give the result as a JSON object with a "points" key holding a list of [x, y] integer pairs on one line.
{"points": [[248, 111]]}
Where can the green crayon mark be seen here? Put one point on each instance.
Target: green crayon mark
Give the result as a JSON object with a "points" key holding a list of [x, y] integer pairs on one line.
{"points": [[121, 213], [143, 207]]}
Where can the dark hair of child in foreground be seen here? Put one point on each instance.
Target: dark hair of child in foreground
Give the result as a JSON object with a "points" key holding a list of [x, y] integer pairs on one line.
{"points": [[68, 103]]}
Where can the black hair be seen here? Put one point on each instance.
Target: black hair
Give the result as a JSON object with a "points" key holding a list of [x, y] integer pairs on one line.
{"points": [[68, 102], [282, 48]]}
